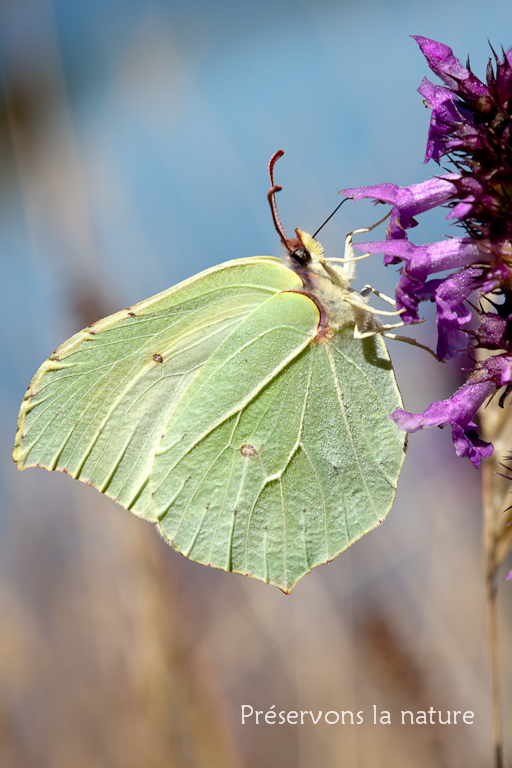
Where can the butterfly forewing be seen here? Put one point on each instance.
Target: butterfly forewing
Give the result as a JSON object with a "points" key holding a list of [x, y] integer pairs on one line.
{"points": [[98, 407]]}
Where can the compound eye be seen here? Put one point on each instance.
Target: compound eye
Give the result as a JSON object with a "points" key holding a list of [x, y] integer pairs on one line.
{"points": [[301, 255]]}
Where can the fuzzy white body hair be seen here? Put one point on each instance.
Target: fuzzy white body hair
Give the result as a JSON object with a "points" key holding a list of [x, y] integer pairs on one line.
{"points": [[331, 284]]}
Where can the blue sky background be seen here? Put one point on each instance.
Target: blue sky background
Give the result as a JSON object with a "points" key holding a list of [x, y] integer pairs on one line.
{"points": [[135, 138]]}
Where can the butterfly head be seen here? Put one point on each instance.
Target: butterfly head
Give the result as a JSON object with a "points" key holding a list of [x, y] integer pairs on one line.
{"points": [[309, 249]]}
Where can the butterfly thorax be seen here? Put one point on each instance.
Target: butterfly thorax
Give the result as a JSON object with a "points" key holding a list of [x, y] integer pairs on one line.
{"points": [[328, 283]]}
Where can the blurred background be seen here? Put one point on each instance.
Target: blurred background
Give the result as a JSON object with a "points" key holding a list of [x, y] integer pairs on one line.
{"points": [[134, 143]]}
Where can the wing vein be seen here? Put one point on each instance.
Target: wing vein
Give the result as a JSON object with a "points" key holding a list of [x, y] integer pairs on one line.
{"points": [[349, 433]]}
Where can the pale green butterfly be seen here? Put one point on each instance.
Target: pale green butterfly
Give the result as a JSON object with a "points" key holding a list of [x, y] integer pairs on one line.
{"points": [[244, 411]]}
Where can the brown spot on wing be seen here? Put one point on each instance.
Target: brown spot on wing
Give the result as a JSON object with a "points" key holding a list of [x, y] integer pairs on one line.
{"points": [[249, 451]]}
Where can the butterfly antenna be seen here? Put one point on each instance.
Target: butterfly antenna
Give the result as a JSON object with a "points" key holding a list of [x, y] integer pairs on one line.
{"points": [[330, 217], [271, 196]]}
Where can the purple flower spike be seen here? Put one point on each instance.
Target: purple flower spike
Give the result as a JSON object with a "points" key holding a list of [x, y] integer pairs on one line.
{"points": [[508, 577], [471, 127]]}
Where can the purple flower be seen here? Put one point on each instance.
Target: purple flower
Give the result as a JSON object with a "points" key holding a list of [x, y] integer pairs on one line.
{"points": [[460, 80], [458, 411], [408, 202], [413, 287], [460, 408], [445, 113], [471, 128]]}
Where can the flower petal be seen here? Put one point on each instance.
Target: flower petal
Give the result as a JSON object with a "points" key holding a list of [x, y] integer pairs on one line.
{"points": [[423, 260], [452, 312], [458, 411], [448, 68], [408, 202], [446, 113], [467, 443]]}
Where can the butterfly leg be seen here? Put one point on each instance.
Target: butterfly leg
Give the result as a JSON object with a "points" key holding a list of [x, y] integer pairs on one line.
{"points": [[368, 288], [349, 255], [413, 342], [360, 333], [384, 330], [372, 310], [349, 258]]}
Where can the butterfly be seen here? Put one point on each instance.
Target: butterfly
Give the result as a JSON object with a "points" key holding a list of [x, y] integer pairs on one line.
{"points": [[244, 411]]}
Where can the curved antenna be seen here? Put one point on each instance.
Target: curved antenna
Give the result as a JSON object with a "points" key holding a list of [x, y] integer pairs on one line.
{"points": [[330, 217], [271, 197]]}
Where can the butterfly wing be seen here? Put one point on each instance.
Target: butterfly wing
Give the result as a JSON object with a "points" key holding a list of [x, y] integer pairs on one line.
{"points": [[357, 451], [97, 408], [303, 462], [217, 475], [215, 411]]}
